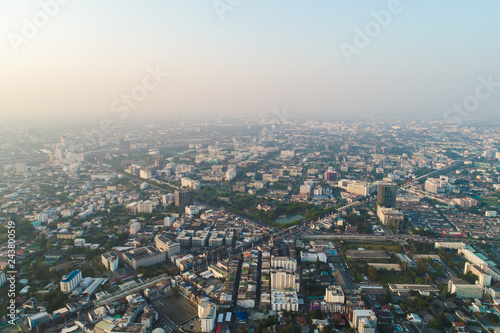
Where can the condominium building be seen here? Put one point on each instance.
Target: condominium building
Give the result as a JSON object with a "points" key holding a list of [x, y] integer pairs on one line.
{"points": [[183, 198], [386, 196], [284, 263], [71, 281], [334, 300], [284, 280], [208, 316], [284, 300]]}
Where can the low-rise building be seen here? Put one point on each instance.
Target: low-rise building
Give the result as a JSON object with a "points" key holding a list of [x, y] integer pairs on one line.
{"points": [[462, 289], [144, 256]]}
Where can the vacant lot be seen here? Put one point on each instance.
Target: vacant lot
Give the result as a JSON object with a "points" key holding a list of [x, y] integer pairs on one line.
{"points": [[177, 308]]}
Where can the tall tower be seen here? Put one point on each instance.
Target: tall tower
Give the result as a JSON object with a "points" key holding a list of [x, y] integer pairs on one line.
{"points": [[183, 198], [386, 196]]}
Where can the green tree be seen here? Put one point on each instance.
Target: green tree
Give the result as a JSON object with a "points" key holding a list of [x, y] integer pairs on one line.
{"points": [[372, 273]]}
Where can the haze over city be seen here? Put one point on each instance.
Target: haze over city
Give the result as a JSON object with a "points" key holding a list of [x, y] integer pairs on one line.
{"points": [[233, 166], [248, 57]]}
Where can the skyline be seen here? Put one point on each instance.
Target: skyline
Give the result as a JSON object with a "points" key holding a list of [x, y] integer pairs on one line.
{"points": [[247, 59]]}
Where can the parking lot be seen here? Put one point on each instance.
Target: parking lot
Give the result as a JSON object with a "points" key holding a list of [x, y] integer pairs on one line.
{"points": [[177, 308]]}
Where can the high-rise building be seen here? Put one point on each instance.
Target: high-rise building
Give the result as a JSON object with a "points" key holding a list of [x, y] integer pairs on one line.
{"points": [[63, 141], [183, 198], [71, 281], [386, 196], [284, 280]]}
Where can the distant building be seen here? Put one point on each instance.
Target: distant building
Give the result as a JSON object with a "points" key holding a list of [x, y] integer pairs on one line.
{"points": [[168, 221], [71, 281], [190, 183], [134, 228], [146, 174], [363, 189], [449, 245], [386, 196], [331, 176], [183, 198], [465, 202]]}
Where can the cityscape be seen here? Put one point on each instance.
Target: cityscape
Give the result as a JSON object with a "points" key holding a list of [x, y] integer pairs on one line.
{"points": [[253, 225], [232, 166]]}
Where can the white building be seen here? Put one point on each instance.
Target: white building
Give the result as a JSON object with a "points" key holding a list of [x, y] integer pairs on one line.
{"points": [[284, 263], [305, 189], [168, 221], [284, 300], [165, 244], [144, 256], [364, 321], [192, 184], [145, 207], [334, 294], [230, 174], [287, 154], [191, 210], [462, 289], [484, 279], [363, 189], [71, 281], [134, 228], [473, 258], [284, 280], [312, 257], [208, 316], [334, 300], [110, 261], [449, 245], [146, 174]]}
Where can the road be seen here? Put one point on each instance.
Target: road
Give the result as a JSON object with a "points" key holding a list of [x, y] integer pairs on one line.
{"points": [[131, 291]]}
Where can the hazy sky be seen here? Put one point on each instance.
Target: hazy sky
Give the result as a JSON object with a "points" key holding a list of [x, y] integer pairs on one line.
{"points": [[247, 56]]}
